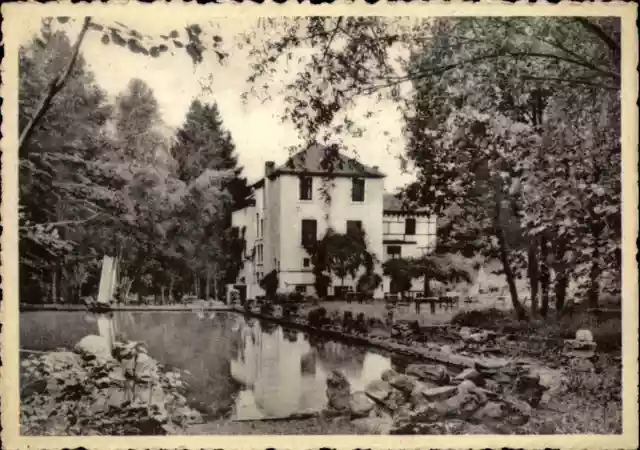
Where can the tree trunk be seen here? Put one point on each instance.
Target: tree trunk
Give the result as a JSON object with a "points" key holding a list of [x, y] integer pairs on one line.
{"points": [[216, 295], [54, 87], [561, 277], [427, 284], [171, 282], [533, 272], [594, 284], [562, 282], [517, 306], [521, 313], [54, 285], [162, 295], [544, 277], [207, 285]]}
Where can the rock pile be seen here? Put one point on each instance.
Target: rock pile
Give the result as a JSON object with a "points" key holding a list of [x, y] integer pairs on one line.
{"points": [[428, 399]]}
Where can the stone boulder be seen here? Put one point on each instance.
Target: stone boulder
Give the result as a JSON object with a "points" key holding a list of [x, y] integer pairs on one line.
{"points": [[469, 374], [338, 391], [373, 425], [436, 373], [404, 383], [378, 390], [96, 346], [395, 400], [360, 405], [439, 393]]}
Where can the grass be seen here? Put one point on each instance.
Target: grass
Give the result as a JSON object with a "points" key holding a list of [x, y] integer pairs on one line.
{"points": [[607, 331]]}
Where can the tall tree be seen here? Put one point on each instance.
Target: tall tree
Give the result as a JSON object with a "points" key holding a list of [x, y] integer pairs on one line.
{"points": [[60, 193], [204, 145]]}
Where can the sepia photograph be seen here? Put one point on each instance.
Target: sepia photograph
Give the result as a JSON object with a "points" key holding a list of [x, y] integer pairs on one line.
{"points": [[319, 225]]}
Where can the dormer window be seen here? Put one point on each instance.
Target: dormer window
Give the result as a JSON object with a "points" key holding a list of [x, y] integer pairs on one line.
{"points": [[357, 190], [306, 188]]}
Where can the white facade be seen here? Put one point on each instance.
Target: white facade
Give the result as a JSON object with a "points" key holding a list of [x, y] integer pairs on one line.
{"points": [[274, 226]]}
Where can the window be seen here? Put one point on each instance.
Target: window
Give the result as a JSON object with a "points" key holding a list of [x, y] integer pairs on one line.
{"points": [[306, 188], [261, 227], [309, 232], [357, 190], [301, 288], [258, 226], [394, 251], [386, 227], [306, 262], [259, 251], [410, 226], [235, 232], [354, 227]]}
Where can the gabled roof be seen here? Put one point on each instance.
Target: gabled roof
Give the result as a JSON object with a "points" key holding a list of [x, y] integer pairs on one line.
{"points": [[327, 160], [323, 160], [392, 203]]}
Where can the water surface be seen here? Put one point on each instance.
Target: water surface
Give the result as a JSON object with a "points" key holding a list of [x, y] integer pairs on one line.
{"points": [[236, 365]]}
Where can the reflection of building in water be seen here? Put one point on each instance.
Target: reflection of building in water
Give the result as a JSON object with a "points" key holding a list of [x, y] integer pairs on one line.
{"points": [[271, 366]]}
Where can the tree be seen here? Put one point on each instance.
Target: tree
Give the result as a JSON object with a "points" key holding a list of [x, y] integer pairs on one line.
{"points": [[61, 193], [203, 144], [510, 93], [270, 284], [400, 271], [135, 42]]}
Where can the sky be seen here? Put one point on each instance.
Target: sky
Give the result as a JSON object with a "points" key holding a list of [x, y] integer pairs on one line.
{"points": [[256, 127]]}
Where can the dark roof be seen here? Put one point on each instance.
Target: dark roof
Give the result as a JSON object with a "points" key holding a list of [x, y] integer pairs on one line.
{"points": [[323, 160], [392, 203]]}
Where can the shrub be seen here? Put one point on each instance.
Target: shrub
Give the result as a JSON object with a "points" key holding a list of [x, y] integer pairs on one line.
{"points": [[67, 393], [480, 318], [317, 317]]}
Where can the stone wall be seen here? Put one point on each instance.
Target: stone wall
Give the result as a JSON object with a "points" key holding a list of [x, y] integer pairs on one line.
{"points": [[490, 398]]}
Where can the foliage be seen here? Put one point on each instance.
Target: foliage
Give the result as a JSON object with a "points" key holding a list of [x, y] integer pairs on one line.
{"points": [[509, 122], [79, 394], [270, 284], [98, 178], [341, 254]]}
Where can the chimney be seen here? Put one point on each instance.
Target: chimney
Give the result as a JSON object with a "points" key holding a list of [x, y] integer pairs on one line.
{"points": [[376, 168], [268, 168]]}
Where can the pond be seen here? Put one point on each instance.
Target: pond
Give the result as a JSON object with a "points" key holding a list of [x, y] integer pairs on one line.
{"points": [[237, 367]]}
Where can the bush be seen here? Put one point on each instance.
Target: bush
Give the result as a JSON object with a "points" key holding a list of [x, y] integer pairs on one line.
{"points": [[317, 317], [66, 393], [480, 318]]}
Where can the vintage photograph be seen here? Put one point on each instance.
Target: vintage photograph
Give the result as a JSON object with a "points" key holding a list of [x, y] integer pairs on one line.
{"points": [[320, 225]]}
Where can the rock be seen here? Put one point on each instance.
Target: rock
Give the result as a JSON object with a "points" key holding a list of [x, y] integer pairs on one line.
{"points": [[61, 361], [144, 368], [389, 373], [517, 412], [429, 428], [338, 391], [360, 405], [339, 400], [584, 335], [490, 366], [96, 346], [470, 374], [491, 411], [403, 382], [378, 390], [439, 393], [429, 372], [373, 425], [463, 405], [394, 400], [337, 380]]}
